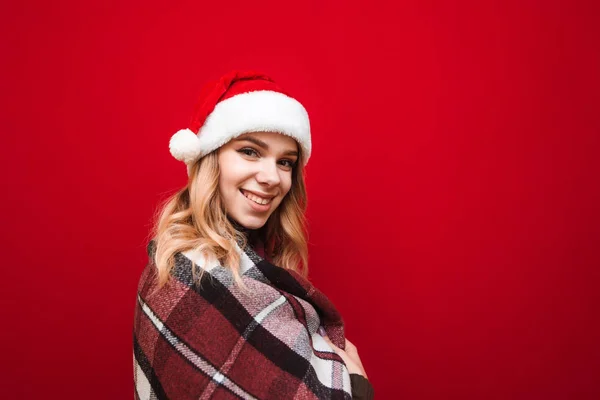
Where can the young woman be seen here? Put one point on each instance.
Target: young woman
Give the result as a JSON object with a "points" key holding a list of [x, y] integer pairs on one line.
{"points": [[224, 307]]}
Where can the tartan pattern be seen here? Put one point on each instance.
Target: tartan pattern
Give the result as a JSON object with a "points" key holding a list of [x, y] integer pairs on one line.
{"points": [[211, 340]]}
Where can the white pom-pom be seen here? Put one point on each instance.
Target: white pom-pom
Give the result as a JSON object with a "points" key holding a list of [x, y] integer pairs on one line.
{"points": [[185, 146]]}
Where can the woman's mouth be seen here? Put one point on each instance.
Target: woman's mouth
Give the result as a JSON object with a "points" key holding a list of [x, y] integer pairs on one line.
{"points": [[255, 198], [256, 202]]}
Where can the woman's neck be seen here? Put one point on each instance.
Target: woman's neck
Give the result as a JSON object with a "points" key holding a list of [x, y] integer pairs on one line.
{"points": [[239, 227], [249, 233], [254, 237]]}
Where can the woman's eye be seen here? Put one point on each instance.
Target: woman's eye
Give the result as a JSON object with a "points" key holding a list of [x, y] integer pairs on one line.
{"points": [[248, 151], [288, 163]]}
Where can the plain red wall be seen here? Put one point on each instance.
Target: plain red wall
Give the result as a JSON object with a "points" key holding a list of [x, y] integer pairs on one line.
{"points": [[453, 188]]}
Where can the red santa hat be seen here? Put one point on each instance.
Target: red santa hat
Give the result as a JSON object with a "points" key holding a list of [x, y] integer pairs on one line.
{"points": [[237, 103]]}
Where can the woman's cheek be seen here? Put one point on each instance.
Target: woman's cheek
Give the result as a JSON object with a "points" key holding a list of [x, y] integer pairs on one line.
{"points": [[288, 182]]}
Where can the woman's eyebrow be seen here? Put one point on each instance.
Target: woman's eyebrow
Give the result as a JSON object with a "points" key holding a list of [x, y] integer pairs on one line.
{"points": [[291, 153], [265, 146], [254, 140]]}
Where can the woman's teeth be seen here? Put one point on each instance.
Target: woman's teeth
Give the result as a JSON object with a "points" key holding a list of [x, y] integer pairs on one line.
{"points": [[256, 199]]}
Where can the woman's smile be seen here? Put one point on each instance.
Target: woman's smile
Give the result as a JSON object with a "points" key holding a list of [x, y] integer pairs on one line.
{"points": [[256, 197], [257, 203]]}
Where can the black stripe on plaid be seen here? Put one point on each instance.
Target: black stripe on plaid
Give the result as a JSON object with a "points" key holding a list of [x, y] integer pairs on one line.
{"points": [[280, 277]]}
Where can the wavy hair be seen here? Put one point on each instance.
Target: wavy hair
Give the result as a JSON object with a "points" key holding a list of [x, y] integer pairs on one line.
{"points": [[194, 218]]}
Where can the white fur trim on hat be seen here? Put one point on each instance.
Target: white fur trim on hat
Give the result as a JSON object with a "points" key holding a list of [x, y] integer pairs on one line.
{"points": [[258, 111]]}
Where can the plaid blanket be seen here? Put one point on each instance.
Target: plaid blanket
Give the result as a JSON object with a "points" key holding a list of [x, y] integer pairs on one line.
{"points": [[210, 340]]}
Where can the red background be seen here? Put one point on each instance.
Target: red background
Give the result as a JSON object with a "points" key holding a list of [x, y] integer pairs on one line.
{"points": [[453, 187]]}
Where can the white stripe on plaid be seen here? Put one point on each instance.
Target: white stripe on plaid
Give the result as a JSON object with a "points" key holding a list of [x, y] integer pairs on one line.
{"points": [[202, 262], [185, 351], [327, 369], [267, 310], [142, 386], [245, 261]]}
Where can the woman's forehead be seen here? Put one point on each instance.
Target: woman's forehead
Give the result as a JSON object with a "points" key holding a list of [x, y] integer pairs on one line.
{"points": [[265, 139]]}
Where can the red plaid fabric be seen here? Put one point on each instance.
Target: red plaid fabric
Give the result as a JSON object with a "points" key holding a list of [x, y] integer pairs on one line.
{"points": [[211, 340]]}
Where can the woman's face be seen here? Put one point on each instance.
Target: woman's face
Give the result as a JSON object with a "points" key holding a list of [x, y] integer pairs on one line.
{"points": [[255, 175]]}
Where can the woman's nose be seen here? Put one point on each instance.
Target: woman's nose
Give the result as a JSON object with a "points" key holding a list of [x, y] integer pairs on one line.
{"points": [[268, 173]]}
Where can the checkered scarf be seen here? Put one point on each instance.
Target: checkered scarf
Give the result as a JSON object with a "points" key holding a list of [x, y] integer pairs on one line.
{"points": [[196, 341]]}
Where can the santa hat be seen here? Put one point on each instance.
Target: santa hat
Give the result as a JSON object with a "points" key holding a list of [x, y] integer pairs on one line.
{"points": [[238, 103]]}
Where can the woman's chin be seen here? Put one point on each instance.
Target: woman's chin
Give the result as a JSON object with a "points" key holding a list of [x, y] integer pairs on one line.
{"points": [[251, 222]]}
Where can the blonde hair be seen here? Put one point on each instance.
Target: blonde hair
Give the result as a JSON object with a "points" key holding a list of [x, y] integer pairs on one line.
{"points": [[194, 218]]}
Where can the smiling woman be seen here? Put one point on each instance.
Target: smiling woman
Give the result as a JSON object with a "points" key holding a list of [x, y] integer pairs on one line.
{"points": [[259, 167], [224, 306]]}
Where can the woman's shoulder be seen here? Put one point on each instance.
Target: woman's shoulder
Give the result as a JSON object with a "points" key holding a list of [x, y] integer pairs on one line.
{"points": [[180, 275], [200, 259], [193, 255]]}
